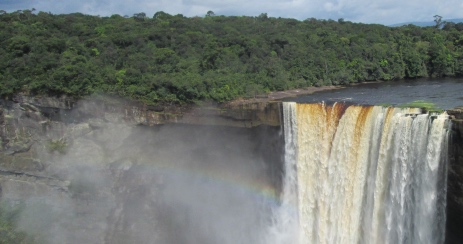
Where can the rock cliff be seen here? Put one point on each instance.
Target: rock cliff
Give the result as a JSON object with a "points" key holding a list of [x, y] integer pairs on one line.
{"points": [[83, 172], [455, 179], [89, 156]]}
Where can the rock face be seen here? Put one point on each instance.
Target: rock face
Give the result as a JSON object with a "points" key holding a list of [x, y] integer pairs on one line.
{"points": [[112, 109], [455, 179], [86, 167], [88, 160]]}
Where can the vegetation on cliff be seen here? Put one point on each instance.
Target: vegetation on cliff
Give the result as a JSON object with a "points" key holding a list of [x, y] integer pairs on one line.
{"points": [[175, 59], [9, 232]]}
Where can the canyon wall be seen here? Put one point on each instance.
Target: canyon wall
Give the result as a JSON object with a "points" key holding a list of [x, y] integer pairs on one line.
{"points": [[41, 139], [455, 179], [99, 170]]}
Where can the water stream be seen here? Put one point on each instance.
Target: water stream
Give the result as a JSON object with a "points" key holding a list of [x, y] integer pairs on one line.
{"points": [[362, 174], [444, 93]]}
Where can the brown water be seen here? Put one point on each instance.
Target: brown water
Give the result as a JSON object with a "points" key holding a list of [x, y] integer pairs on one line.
{"points": [[362, 174]]}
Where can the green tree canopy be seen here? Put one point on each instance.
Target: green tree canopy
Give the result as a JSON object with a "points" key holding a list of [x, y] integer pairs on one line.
{"points": [[175, 59]]}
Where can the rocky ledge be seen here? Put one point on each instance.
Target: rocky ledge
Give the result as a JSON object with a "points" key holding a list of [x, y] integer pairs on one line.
{"points": [[237, 114], [455, 178], [456, 113]]}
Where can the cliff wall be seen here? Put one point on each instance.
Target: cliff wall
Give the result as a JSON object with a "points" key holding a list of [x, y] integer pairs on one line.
{"points": [[83, 171], [455, 179], [247, 114], [45, 141]]}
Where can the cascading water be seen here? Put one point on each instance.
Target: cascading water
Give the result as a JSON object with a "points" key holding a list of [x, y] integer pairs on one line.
{"points": [[362, 174]]}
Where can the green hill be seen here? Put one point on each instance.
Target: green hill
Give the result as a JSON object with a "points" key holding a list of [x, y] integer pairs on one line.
{"points": [[175, 59]]}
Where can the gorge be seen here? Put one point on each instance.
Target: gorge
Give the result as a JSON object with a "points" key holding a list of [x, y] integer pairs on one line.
{"points": [[116, 172]]}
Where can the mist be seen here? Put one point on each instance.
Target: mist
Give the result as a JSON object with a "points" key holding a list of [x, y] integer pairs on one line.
{"points": [[126, 183]]}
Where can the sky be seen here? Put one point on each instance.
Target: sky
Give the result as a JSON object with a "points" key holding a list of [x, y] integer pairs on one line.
{"points": [[366, 11]]}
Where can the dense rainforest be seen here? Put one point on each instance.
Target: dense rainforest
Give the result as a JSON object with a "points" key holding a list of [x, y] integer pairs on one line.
{"points": [[174, 59]]}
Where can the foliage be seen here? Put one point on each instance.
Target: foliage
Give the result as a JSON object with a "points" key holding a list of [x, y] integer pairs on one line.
{"points": [[9, 232], [428, 106], [173, 59], [58, 145]]}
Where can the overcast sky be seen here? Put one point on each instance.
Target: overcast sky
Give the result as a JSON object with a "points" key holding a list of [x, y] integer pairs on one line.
{"points": [[366, 11]]}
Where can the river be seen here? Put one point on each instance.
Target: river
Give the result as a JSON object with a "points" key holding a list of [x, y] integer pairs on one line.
{"points": [[445, 93]]}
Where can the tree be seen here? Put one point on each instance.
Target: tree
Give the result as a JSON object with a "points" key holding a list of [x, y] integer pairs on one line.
{"points": [[438, 21], [210, 13], [139, 16], [263, 16], [161, 15]]}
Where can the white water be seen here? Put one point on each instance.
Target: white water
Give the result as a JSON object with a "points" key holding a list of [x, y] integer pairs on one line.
{"points": [[362, 174]]}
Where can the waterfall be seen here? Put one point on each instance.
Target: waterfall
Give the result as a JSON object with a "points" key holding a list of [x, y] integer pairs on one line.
{"points": [[362, 174]]}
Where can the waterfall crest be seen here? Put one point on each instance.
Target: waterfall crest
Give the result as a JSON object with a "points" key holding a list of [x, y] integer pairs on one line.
{"points": [[362, 174]]}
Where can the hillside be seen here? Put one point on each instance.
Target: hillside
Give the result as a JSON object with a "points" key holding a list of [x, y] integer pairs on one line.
{"points": [[170, 59]]}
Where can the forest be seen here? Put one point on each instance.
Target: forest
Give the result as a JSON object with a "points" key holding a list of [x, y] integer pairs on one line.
{"points": [[173, 59]]}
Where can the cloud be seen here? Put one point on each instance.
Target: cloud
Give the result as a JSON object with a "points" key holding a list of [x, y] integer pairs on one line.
{"points": [[12, 5], [367, 11]]}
